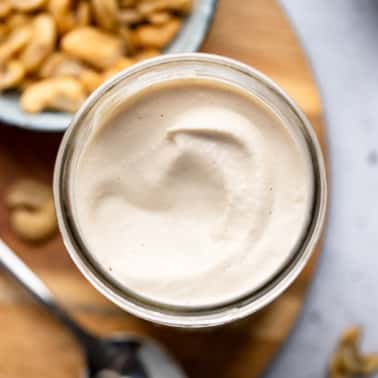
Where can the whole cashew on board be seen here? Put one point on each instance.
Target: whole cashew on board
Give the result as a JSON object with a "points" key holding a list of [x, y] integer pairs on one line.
{"points": [[348, 361], [32, 215]]}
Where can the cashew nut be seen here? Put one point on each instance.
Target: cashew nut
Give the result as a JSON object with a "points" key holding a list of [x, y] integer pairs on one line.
{"points": [[17, 19], [5, 8], [4, 30], [32, 210], [83, 13], [17, 39], [42, 43], [59, 64], [146, 54], [105, 13], [95, 47], [61, 93], [11, 74], [120, 65], [159, 18], [91, 80], [348, 361], [127, 36], [130, 16], [27, 5], [66, 17], [156, 36], [127, 3], [153, 6], [61, 12], [51, 63]]}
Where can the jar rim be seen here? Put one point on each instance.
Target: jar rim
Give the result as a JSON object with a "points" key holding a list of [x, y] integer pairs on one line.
{"points": [[207, 317]]}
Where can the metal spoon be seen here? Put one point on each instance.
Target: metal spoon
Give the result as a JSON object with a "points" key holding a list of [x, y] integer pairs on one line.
{"points": [[116, 357]]}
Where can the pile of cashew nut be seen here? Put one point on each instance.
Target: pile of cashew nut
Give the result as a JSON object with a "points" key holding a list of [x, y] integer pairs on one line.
{"points": [[56, 52], [32, 211]]}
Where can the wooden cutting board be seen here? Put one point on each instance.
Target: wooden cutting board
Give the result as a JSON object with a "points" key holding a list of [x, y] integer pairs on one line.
{"points": [[32, 345]]}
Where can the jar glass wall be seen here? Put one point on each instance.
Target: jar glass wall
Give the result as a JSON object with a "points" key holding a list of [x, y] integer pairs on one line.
{"points": [[109, 97]]}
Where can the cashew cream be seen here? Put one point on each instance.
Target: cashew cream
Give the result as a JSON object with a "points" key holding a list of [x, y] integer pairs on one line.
{"points": [[192, 193]]}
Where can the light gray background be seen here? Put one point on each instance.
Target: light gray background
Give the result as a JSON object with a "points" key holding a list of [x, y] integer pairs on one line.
{"points": [[341, 39]]}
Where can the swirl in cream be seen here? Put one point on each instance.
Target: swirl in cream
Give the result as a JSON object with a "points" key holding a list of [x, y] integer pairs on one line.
{"points": [[192, 193]]}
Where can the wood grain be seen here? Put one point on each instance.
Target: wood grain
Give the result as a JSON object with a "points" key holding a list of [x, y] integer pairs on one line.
{"points": [[32, 345]]}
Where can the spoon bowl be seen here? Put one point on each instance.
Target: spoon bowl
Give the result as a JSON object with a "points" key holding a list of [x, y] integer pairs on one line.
{"points": [[126, 356]]}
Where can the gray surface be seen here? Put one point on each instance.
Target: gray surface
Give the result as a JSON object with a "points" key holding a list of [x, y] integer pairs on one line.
{"points": [[341, 40]]}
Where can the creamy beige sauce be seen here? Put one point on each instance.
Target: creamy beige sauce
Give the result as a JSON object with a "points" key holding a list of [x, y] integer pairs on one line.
{"points": [[192, 193]]}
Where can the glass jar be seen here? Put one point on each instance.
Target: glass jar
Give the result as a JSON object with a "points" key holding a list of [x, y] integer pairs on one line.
{"points": [[133, 80]]}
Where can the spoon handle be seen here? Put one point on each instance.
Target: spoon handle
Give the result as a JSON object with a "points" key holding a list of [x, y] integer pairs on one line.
{"points": [[38, 290]]}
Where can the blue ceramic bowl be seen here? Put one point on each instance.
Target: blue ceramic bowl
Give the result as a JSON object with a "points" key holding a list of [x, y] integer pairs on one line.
{"points": [[189, 39]]}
